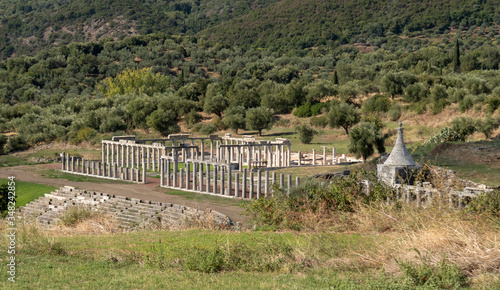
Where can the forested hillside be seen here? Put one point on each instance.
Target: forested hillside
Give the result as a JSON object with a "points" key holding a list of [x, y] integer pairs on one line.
{"points": [[306, 23], [442, 54], [27, 26]]}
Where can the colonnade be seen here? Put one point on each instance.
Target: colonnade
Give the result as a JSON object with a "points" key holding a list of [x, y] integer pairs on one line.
{"points": [[219, 179], [78, 165]]}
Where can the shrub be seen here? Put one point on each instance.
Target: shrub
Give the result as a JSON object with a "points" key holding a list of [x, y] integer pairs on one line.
{"points": [[316, 108], [438, 106], [16, 143], [493, 103], [463, 126], [218, 123], [485, 204], [441, 276], [377, 103], [465, 104], [303, 111], [306, 133], [192, 118], [3, 141], [205, 129], [394, 113], [487, 125], [75, 214], [205, 260], [321, 121]]}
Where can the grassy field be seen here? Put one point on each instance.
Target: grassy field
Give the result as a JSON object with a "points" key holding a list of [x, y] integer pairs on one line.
{"points": [[27, 191]]}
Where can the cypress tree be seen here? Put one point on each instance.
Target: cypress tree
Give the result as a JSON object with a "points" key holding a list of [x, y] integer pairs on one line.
{"points": [[335, 78], [456, 57]]}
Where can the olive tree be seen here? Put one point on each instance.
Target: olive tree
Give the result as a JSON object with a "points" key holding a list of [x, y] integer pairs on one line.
{"points": [[343, 115], [259, 118], [364, 138]]}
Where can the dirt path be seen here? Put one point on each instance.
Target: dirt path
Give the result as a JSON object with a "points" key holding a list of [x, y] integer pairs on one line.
{"points": [[149, 191]]}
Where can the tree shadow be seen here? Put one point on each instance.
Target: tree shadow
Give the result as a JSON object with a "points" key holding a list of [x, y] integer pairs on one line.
{"points": [[277, 134]]}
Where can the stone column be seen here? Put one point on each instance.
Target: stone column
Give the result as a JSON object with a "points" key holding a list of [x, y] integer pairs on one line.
{"points": [[266, 183], [175, 169], [63, 159], [300, 159], [143, 167], [244, 184], [188, 174], [289, 184], [229, 180], [222, 180], [297, 181], [107, 152], [181, 178], [148, 157], [153, 157], [200, 177], [133, 156], [123, 155], [103, 152], [259, 183], [202, 147], [314, 157], [162, 175], [72, 164], [324, 155], [167, 170], [236, 184], [112, 153], [282, 180], [251, 185], [211, 150], [195, 176], [207, 175], [333, 156], [215, 179], [289, 159], [127, 163]]}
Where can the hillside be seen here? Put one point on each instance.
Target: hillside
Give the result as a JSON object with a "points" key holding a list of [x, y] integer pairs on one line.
{"points": [[300, 24], [28, 26]]}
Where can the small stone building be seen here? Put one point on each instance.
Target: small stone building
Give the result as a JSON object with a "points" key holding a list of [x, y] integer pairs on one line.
{"points": [[399, 168]]}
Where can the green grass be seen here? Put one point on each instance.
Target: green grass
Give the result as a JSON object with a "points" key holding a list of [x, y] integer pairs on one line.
{"points": [[27, 191], [56, 174], [11, 160], [475, 170], [205, 198], [124, 261]]}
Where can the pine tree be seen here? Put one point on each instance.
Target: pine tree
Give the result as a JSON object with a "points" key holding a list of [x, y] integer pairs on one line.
{"points": [[335, 78]]}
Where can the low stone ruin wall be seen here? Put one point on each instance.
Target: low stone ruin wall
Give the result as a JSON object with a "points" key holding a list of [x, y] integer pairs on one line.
{"points": [[129, 213]]}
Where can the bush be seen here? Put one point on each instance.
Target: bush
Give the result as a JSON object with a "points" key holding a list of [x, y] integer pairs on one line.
{"points": [[465, 104], [303, 111], [441, 276], [16, 143], [192, 118], [75, 214], [487, 125], [205, 129], [316, 108], [3, 141], [394, 113], [320, 122], [485, 204], [205, 260], [463, 126], [306, 133], [218, 123], [377, 103]]}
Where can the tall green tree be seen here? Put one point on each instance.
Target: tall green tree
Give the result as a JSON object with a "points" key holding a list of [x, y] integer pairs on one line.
{"points": [[259, 118], [364, 138], [456, 57], [163, 121], [343, 115], [234, 118]]}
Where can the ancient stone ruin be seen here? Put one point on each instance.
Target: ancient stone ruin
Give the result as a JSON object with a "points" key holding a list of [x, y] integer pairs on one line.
{"points": [[399, 168], [129, 213]]}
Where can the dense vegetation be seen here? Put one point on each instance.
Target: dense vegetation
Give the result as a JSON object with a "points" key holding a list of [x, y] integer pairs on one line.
{"points": [[82, 91], [29, 26]]}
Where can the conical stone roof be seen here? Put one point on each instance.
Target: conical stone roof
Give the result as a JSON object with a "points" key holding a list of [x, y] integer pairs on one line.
{"points": [[399, 154]]}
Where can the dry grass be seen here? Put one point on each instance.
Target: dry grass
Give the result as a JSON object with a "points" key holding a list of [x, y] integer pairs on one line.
{"points": [[430, 235], [100, 223]]}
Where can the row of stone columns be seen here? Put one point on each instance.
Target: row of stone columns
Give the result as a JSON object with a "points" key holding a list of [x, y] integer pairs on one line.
{"points": [[301, 161], [99, 169], [255, 155], [204, 177]]}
